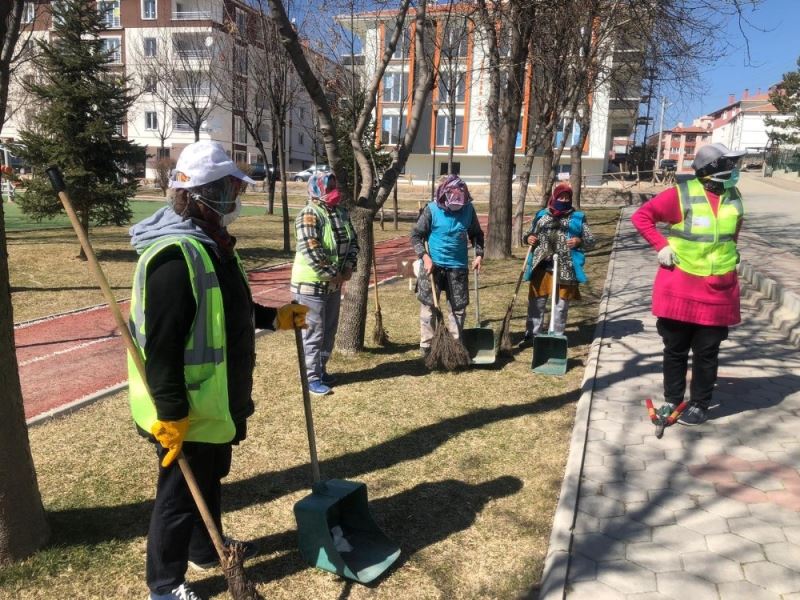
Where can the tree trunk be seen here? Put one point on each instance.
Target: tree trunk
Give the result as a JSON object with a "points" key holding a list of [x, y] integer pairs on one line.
{"points": [[523, 180], [272, 180], [576, 174], [23, 528], [287, 246], [548, 160], [498, 242], [353, 320], [84, 217]]}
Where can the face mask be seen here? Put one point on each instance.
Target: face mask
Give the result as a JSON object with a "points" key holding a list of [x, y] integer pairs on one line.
{"points": [[562, 206], [732, 180], [225, 219], [332, 198]]}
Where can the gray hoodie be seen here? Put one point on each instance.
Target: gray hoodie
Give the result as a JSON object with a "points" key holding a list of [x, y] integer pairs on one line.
{"points": [[162, 223]]}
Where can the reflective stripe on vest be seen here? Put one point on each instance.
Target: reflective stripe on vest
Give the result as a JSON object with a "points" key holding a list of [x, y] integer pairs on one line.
{"points": [[705, 242], [302, 271], [205, 367]]}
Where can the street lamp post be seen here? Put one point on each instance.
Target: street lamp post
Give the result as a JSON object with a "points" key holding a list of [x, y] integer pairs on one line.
{"points": [[433, 164], [660, 132]]}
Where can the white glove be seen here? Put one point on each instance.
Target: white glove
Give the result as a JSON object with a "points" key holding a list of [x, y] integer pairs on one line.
{"points": [[667, 257]]}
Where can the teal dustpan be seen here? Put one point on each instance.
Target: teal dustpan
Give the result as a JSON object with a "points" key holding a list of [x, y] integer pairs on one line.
{"points": [[550, 350], [335, 528]]}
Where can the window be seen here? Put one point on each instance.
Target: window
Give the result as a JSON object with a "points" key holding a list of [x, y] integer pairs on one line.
{"points": [[393, 128], [182, 123], [443, 130], [240, 97], [240, 157], [162, 153], [150, 47], [573, 139], [28, 12], [192, 84], [56, 9], [239, 131], [454, 43], [111, 46], [403, 44], [149, 9], [395, 87], [456, 170], [149, 84], [240, 60], [458, 81], [150, 120], [241, 21], [109, 11], [301, 139]]}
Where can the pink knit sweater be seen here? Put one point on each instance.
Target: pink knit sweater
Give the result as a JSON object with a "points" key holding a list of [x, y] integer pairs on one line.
{"points": [[711, 300]]}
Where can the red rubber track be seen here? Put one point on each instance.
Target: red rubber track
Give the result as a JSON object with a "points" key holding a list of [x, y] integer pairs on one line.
{"points": [[66, 359]]}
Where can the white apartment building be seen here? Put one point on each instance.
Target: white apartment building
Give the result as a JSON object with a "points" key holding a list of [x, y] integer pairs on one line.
{"points": [[179, 52], [614, 111], [740, 123]]}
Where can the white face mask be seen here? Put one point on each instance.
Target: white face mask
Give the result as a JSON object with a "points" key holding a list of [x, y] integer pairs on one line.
{"points": [[229, 218]]}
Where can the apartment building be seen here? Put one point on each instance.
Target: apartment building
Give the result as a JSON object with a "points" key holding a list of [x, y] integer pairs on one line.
{"points": [[682, 143], [457, 107], [191, 63]]}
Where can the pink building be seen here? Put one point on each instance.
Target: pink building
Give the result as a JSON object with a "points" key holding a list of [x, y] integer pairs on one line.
{"points": [[682, 143]]}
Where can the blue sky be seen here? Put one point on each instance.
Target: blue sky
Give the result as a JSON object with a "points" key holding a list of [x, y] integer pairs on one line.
{"points": [[773, 52]]}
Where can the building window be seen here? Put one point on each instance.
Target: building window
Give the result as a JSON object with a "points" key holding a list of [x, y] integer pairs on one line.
{"points": [[150, 47], [241, 21], [392, 129], [149, 9], [301, 139], [57, 5], [240, 157], [443, 130], [456, 170], [403, 44], [395, 86], [240, 60], [109, 11], [239, 131], [561, 132], [111, 46], [149, 84], [457, 81], [28, 12], [150, 120], [182, 123], [454, 44], [162, 153]]}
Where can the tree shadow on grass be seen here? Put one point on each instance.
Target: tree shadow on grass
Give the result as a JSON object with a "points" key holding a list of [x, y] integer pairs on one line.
{"points": [[99, 524], [414, 519]]}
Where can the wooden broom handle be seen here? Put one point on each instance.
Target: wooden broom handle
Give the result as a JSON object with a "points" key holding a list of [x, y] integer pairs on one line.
{"points": [[433, 284], [94, 266], [375, 276]]}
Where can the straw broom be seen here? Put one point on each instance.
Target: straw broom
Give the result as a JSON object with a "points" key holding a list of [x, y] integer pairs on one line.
{"points": [[230, 557], [379, 335], [505, 329], [447, 353]]}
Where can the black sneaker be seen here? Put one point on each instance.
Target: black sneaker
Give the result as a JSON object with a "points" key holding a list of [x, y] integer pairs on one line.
{"points": [[327, 379], [694, 415], [250, 551], [526, 341]]}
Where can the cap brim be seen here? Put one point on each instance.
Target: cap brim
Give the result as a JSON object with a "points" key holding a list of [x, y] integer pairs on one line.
{"points": [[239, 174], [734, 154]]}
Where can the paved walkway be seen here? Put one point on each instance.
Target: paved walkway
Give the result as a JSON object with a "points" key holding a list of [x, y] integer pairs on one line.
{"points": [[709, 512]]}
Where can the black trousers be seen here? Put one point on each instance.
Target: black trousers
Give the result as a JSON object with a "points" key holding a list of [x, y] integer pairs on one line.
{"points": [[177, 533], [703, 340]]}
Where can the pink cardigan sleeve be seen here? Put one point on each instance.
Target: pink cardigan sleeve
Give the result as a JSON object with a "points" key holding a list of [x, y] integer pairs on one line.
{"points": [[663, 208]]}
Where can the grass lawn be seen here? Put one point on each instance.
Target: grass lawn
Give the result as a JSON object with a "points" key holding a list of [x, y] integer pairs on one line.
{"points": [[463, 470]]}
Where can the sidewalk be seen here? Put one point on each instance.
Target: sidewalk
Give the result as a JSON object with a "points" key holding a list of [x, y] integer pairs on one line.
{"points": [[710, 512]]}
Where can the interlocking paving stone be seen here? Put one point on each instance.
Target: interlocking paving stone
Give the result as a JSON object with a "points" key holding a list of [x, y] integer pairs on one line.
{"points": [[775, 515], [626, 529], [759, 481], [756, 530], [650, 513], [792, 534], [582, 568], [744, 590], [725, 507], [785, 554], [679, 538], [735, 547], [647, 596], [598, 546], [701, 521], [711, 566], [592, 590], [627, 577], [624, 493], [679, 584], [774, 577], [601, 506], [655, 557]]}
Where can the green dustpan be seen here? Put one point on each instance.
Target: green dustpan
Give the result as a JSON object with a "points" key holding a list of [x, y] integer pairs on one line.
{"points": [[550, 350], [479, 341], [335, 528]]}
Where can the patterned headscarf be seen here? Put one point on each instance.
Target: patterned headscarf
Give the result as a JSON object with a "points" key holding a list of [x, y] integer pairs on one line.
{"points": [[323, 187], [452, 194], [560, 202]]}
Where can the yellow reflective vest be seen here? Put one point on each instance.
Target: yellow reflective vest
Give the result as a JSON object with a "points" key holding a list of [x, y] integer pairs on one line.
{"points": [[704, 242], [204, 357]]}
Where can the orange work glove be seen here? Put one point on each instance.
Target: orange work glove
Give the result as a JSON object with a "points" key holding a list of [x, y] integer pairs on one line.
{"points": [[170, 434], [291, 316]]}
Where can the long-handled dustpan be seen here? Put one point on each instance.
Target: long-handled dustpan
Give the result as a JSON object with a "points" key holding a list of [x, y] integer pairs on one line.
{"points": [[550, 350], [335, 528], [479, 341]]}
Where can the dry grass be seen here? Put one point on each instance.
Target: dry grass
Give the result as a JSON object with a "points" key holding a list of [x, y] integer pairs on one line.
{"points": [[48, 278], [463, 470]]}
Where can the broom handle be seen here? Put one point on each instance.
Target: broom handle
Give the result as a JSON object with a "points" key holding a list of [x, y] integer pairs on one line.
{"points": [[477, 300], [312, 438], [433, 284], [94, 266], [375, 272], [521, 274], [553, 298]]}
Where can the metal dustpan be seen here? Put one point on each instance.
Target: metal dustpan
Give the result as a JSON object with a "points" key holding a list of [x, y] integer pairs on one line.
{"points": [[335, 528], [550, 350], [479, 341]]}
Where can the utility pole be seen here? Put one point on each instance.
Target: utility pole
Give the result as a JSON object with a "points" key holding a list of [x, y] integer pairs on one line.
{"points": [[660, 131]]}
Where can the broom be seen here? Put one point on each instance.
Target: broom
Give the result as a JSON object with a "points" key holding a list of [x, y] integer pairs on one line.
{"points": [[505, 329], [379, 335], [447, 353], [231, 557]]}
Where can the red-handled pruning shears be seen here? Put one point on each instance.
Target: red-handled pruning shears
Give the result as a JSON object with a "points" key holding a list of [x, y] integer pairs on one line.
{"points": [[664, 417]]}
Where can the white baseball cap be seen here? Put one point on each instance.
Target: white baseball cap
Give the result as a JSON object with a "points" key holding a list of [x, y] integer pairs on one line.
{"points": [[203, 162], [713, 152]]}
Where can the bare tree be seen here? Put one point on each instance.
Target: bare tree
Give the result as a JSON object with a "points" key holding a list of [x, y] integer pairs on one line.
{"points": [[373, 189], [23, 528]]}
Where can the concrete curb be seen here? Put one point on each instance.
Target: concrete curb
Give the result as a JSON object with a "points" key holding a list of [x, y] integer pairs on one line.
{"points": [[66, 409], [787, 317], [556, 563]]}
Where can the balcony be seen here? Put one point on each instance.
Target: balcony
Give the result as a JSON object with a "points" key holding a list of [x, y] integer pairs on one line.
{"points": [[199, 10]]}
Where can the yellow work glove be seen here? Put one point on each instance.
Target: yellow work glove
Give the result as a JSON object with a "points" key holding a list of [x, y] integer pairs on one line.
{"points": [[291, 316], [170, 434]]}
